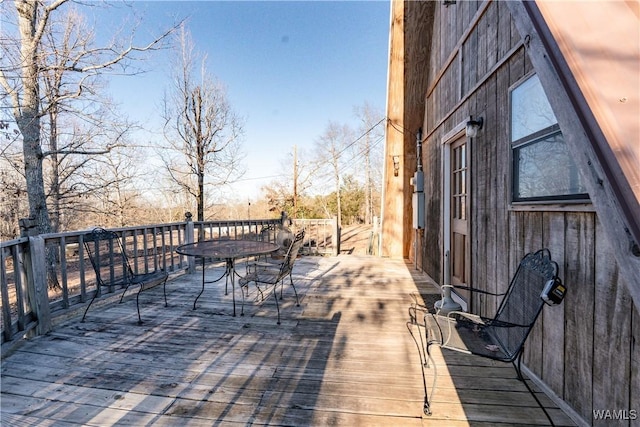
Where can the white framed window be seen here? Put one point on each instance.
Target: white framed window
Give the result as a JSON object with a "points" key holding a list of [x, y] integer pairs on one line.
{"points": [[543, 170]]}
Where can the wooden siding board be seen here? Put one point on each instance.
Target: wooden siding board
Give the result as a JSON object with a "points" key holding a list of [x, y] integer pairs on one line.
{"points": [[493, 226], [580, 302], [612, 331], [516, 239], [528, 66], [452, 34], [464, 17], [481, 210], [502, 183], [533, 224], [449, 89], [482, 52], [515, 34], [443, 35], [436, 56], [553, 351], [491, 19], [516, 67], [433, 218], [472, 60], [504, 42]]}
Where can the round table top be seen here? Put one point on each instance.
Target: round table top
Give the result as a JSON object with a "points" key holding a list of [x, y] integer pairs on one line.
{"points": [[227, 248]]}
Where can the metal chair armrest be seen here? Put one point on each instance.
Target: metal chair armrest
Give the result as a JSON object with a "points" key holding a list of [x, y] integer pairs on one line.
{"points": [[470, 289]]}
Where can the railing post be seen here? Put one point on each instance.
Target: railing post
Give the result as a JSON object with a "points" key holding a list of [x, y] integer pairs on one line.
{"points": [[189, 238], [35, 266], [36, 272], [336, 237]]}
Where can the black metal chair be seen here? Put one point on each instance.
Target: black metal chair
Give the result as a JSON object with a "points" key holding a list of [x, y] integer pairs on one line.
{"points": [[270, 273], [501, 337], [278, 234], [113, 270]]}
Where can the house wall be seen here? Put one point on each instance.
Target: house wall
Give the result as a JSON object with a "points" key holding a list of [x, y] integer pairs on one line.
{"points": [[408, 54], [584, 350]]}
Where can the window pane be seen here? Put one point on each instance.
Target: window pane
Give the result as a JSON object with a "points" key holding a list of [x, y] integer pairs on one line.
{"points": [[544, 168], [530, 109]]}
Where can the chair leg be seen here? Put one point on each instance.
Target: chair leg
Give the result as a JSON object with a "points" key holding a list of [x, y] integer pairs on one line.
{"points": [[422, 353], [126, 288], [294, 290], [138, 303], [90, 302], [164, 291], [275, 296], [260, 290], [242, 293]]}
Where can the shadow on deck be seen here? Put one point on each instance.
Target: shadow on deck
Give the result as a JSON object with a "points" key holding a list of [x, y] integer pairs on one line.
{"points": [[344, 357]]}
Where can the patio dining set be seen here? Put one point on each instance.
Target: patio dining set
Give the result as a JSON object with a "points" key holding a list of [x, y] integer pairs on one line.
{"points": [[268, 260]]}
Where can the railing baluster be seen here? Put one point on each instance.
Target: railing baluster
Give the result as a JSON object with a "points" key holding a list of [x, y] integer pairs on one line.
{"points": [[20, 284], [83, 282], [63, 271], [6, 303]]}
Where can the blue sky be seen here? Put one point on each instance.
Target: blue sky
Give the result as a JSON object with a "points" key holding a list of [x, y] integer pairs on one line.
{"points": [[289, 68]]}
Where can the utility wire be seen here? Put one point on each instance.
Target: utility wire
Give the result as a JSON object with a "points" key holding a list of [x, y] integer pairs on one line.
{"points": [[341, 152], [401, 129], [360, 137], [360, 154]]}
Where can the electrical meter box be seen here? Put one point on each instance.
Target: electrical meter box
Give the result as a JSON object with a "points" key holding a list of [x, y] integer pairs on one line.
{"points": [[418, 210], [418, 182], [418, 199]]}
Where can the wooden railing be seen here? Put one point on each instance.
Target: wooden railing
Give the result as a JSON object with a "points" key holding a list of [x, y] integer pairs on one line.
{"points": [[48, 275]]}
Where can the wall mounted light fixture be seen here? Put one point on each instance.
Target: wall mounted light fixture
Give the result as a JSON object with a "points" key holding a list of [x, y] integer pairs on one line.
{"points": [[473, 126], [396, 165], [448, 2]]}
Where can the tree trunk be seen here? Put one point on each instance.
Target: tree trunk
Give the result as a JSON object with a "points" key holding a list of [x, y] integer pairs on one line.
{"points": [[55, 172], [28, 118], [28, 121]]}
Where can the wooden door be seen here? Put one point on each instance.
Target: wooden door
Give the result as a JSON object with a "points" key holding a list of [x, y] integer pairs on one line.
{"points": [[459, 211]]}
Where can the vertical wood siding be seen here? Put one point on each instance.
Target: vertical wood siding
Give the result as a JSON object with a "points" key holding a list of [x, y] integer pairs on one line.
{"points": [[585, 350]]}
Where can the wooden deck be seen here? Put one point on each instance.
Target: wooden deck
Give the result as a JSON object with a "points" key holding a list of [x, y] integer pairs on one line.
{"points": [[344, 357]]}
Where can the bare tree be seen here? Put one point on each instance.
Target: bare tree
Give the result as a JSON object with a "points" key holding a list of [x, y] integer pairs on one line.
{"points": [[12, 189], [26, 62], [287, 190], [370, 148], [201, 127], [79, 124], [330, 148]]}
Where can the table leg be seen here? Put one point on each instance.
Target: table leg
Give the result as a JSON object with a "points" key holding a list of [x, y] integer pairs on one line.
{"points": [[202, 290], [233, 283], [226, 272]]}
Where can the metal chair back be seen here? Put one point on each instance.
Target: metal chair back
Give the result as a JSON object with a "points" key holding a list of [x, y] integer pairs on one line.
{"points": [[112, 267], [292, 254], [108, 259], [522, 304]]}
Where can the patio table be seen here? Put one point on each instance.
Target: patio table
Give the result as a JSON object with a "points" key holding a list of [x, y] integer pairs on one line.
{"points": [[228, 250]]}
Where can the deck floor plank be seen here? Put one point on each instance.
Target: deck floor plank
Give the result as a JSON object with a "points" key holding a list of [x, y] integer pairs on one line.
{"points": [[343, 357]]}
